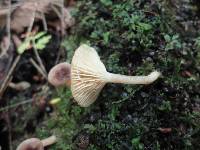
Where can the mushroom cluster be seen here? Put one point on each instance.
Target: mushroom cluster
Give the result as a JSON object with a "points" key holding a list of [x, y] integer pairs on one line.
{"points": [[88, 76]]}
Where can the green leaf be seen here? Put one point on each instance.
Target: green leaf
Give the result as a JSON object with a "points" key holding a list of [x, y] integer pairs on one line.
{"points": [[145, 26], [106, 2], [167, 38], [39, 35], [166, 106], [106, 37], [90, 127], [23, 46], [42, 42], [135, 141]]}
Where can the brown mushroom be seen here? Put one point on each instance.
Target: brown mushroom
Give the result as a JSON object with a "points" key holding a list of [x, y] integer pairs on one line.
{"points": [[89, 75], [36, 144], [60, 75]]}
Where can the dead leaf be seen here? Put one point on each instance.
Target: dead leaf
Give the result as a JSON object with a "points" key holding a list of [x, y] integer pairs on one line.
{"points": [[165, 130], [17, 41], [5, 43], [186, 73], [21, 86], [25, 13]]}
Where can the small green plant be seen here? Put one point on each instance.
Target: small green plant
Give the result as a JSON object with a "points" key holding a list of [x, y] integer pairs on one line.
{"points": [[137, 145], [197, 42], [38, 41], [172, 42], [166, 106], [106, 2]]}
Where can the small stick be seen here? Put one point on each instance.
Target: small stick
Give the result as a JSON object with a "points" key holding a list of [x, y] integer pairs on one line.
{"points": [[16, 105], [56, 11], [58, 56], [9, 131], [35, 51], [39, 60], [6, 85], [38, 68], [44, 21], [19, 56], [8, 24], [62, 19], [9, 74], [5, 10]]}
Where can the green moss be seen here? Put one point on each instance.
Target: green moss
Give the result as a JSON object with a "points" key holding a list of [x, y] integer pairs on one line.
{"points": [[62, 122]]}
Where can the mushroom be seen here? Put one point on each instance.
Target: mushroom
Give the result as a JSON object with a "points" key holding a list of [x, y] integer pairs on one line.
{"points": [[89, 75], [36, 144], [60, 74]]}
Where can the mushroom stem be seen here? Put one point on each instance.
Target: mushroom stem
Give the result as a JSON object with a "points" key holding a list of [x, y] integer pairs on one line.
{"points": [[49, 141], [117, 78]]}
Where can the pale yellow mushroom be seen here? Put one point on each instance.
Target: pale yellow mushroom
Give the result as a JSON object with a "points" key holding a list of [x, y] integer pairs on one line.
{"points": [[36, 144], [89, 75]]}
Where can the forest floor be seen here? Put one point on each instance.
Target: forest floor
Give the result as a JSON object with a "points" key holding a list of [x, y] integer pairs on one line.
{"points": [[132, 37]]}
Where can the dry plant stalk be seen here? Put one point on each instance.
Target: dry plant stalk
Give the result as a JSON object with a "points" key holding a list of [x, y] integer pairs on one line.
{"points": [[89, 75]]}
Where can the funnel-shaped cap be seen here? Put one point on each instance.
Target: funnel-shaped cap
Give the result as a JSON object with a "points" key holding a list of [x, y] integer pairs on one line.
{"points": [[87, 75]]}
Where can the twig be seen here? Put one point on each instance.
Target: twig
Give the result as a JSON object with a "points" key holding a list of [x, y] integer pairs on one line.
{"points": [[56, 11], [35, 51], [44, 21], [60, 15], [58, 56], [16, 105], [62, 18], [31, 24], [6, 85], [5, 10], [9, 131], [38, 68], [41, 69], [8, 24], [39, 61], [9, 74]]}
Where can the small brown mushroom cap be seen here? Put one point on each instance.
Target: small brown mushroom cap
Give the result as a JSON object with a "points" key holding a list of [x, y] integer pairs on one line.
{"points": [[31, 144], [60, 75]]}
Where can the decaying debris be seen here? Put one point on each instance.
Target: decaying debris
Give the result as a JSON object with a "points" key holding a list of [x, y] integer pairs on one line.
{"points": [[165, 130], [6, 58], [25, 11], [4, 46], [23, 85], [89, 75]]}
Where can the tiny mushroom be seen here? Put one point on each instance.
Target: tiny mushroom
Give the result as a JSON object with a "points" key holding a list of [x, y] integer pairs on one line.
{"points": [[60, 75], [89, 75], [36, 144]]}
